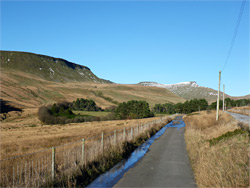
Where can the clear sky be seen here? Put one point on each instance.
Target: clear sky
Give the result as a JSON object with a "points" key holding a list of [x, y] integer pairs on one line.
{"points": [[132, 41]]}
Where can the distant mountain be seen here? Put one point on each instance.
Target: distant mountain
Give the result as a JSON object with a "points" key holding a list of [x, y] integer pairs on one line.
{"points": [[188, 90], [46, 67]]}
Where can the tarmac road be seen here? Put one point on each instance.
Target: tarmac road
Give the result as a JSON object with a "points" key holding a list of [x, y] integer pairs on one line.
{"points": [[240, 117], [165, 165]]}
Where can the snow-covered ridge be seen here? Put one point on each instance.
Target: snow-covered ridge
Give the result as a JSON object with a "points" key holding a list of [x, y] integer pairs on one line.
{"points": [[181, 84]]}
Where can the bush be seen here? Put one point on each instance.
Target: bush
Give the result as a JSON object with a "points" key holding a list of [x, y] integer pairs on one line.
{"points": [[133, 110], [85, 105], [62, 114], [44, 115]]}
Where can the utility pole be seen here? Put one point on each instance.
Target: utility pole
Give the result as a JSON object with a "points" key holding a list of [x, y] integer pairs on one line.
{"points": [[218, 99], [223, 97]]}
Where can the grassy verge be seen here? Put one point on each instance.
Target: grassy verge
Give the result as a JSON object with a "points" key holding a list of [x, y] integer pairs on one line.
{"points": [[92, 113], [244, 110], [84, 174], [218, 150]]}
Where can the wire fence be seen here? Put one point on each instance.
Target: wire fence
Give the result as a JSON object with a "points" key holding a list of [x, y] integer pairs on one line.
{"points": [[38, 168]]}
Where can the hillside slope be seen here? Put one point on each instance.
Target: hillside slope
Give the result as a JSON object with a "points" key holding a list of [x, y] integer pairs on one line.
{"points": [[30, 80], [24, 90], [47, 68], [188, 90]]}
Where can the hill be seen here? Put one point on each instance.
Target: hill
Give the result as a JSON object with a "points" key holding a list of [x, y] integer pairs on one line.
{"points": [[189, 90], [24, 85], [47, 68]]}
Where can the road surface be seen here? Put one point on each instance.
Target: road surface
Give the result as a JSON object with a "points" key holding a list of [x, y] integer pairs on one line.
{"points": [[240, 117], [165, 165]]}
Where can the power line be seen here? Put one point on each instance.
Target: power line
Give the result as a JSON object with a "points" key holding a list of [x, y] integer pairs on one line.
{"points": [[235, 33]]}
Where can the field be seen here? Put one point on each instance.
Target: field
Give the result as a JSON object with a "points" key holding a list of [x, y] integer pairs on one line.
{"points": [[26, 151], [244, 110], [92, 113], [218, 150], [24, 133]]}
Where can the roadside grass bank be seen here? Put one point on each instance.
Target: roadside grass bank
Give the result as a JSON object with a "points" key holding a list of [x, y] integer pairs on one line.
{"points": [[218, 150], [244, 110], [84, 173]]}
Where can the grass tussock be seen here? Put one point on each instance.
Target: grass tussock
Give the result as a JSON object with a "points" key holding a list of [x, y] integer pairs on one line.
{"points": [[218, 151]]}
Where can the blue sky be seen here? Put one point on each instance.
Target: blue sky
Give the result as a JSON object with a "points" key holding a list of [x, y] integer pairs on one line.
{"points": [[132, 41]]}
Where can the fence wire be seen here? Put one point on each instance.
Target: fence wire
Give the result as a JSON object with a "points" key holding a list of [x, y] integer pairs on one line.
{"points": [[38, 168]]}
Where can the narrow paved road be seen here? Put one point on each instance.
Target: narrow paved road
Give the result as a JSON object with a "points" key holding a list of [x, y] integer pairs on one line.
{"points": [[240, 117], [165, 165]]}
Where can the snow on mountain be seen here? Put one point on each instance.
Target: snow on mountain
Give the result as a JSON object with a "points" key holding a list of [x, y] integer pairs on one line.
{"points": [[167, 86], [187, 90]]}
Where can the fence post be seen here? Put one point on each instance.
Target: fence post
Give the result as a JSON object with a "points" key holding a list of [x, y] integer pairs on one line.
{"points": [[102, 146], [29, 171], [115, 137], [131, 133], [17, 174], [25, 173], [21, 172], [83, 144], [53, 163], [124, 133], [13, 176]]}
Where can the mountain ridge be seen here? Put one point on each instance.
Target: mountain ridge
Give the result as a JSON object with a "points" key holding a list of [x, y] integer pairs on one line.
{"points": [[190, 90], [47, 67]]}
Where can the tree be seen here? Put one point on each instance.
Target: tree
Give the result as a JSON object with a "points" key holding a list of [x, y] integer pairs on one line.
{"points": [[133, 110]]}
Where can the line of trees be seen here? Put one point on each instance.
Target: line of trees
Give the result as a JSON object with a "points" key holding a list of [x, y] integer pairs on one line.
{"points": [[230, 103], [84, 105], [197, 105], [62, 113], [133, 110], [186, 107]]}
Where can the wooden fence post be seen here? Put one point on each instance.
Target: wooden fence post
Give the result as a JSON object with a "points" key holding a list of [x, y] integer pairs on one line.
{"points": [[53, 163], [17, 174], [32, 170], [131, 133], [102, 145], [115, 137], [124, 133], [25, 173], [13, 176], [83, 144]]}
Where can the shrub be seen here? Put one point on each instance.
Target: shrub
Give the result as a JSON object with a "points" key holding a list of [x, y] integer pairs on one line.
{"points": [[133, 110], [85, 105]]}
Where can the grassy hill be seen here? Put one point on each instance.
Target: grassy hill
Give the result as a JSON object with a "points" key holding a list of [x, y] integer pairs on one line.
{"points": [[47, 68], [24, 85]]}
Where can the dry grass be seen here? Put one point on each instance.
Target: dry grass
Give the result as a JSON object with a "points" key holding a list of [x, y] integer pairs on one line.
{"points": [[244, 110], [27, 91], [225, 164], [25, 134], [34, 170]]}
